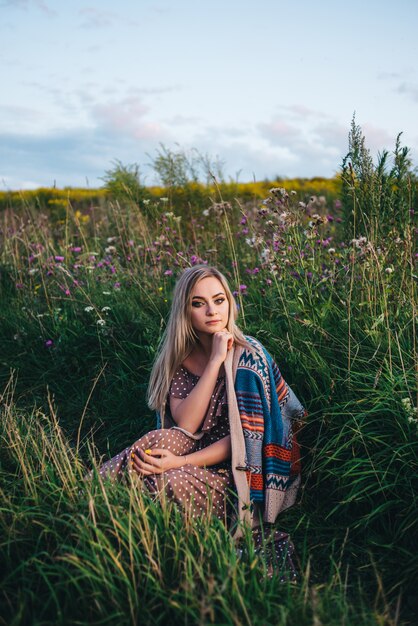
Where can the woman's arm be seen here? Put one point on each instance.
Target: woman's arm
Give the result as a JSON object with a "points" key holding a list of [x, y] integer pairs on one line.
{"points": [[215, 453], [188, 413], [148, 463]]}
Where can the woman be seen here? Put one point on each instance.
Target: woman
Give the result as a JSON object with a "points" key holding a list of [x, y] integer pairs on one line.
{"points": [[225, 414]]}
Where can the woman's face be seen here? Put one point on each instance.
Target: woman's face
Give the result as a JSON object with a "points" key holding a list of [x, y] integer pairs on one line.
{"points": [[209, 306]]}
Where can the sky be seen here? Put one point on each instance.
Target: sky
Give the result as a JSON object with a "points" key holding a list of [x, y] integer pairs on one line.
{"points": [[268, 87]]}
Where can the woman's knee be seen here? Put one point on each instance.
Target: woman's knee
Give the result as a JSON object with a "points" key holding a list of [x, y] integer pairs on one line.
{"points": [[152, 439]]}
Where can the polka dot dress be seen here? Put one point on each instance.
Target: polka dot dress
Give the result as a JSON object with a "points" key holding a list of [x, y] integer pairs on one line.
{"points": [[200, 491]]}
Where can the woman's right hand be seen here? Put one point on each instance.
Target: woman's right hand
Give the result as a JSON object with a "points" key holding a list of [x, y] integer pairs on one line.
{"points": [[222, 342]]}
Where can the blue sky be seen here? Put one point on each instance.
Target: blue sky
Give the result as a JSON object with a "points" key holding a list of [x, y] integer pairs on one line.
{"points": [[269, 87]]}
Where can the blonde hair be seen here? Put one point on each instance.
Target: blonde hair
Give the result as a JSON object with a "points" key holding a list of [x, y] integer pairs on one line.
{"points": [[179, 336]]}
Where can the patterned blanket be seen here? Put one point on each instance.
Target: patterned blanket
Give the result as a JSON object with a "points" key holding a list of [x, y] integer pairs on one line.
{"points": [[268, 409]]}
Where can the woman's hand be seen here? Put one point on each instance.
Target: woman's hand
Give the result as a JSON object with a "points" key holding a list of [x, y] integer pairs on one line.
{"points": [[155, 461], [222, 342]]}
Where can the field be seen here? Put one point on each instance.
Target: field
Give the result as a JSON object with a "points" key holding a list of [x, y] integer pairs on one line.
{"points": [[324, 273]]}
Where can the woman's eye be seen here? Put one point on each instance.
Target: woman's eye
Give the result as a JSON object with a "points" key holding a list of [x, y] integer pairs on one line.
{"points": [[220, 300], [196, 304]]}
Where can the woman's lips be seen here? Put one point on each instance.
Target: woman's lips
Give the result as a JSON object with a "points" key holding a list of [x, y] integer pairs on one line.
{"points": [[213, 322]]}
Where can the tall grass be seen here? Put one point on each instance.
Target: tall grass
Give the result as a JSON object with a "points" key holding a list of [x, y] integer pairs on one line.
{"points": [[101, 554], [83, 303]]}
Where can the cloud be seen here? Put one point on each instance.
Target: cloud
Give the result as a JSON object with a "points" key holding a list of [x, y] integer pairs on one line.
{"points": [[409, 89], [96, 18], [128, 117], [279, 131], [27, 4], [389, 75], [300, 111]]}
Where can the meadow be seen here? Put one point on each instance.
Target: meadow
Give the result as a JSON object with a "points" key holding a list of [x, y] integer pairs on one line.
{"points": [[324, 274]]}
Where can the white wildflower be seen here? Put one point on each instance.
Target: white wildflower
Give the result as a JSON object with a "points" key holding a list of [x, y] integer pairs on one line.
{"points": [[110, 240], [250, 242], [101, 322], [389, 270], [331, 250], [106, 293], [105, 309], [110, 250], [205, 212], [360, 242], [265, 255], [89, 309], [164, 199]]}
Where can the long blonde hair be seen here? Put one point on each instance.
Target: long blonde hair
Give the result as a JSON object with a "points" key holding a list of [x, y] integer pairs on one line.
{"points": [[179, 336]]}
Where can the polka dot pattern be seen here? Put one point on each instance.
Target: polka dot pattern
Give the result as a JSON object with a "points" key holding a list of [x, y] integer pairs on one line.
{"points": [[197, 490], [215, 424]]}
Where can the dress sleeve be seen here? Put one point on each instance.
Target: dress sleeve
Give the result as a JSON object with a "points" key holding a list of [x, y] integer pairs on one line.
{"points": [[181, 385]]}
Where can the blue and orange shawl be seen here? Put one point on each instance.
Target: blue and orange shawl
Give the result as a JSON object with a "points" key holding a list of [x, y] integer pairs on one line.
{"points": [[269, 414]]}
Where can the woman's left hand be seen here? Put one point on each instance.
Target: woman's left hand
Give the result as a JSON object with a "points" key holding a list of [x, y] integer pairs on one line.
{"points": [[156, 461]]}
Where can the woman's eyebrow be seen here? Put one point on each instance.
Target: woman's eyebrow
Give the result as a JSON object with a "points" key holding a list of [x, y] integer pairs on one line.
{"points": [[202, 298]]}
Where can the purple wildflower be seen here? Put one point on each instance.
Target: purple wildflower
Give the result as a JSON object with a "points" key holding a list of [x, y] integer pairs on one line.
{"points": [[168, 272], [242, 288], [76, 249], [49, 343], [59, 259]]}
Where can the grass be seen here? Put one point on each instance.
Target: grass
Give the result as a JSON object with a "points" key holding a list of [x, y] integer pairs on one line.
{"points": [[84, 298]]}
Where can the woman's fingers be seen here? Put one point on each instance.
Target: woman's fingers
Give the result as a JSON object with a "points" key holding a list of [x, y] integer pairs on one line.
{"points": [[143, 463]]}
